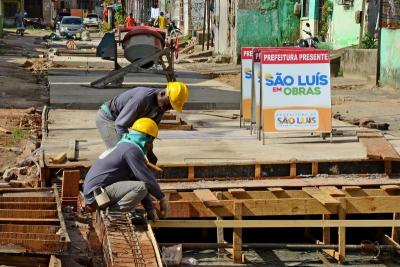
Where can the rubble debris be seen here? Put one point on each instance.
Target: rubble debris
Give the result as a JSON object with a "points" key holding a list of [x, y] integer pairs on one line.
{"points": [[59, 158], [23, 171], [4, 130], [31, 110], [10, 174], [207, 53], [383, 126]]}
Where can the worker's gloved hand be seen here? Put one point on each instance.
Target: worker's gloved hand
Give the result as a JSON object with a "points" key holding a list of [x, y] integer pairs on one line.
{"points": [[164, 206], [151, 157], [152, 215]]}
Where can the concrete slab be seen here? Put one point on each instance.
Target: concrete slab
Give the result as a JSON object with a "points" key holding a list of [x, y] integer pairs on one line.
{"points": [[217, 139], [70, 89]]}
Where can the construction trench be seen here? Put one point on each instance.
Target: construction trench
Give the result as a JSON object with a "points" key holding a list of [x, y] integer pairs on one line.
{"points": [[233, 201]]}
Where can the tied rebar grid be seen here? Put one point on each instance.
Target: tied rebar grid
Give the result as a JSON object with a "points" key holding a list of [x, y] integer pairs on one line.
{"points": [[121, 232]]}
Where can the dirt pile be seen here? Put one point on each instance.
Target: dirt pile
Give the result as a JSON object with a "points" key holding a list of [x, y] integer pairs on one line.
{"points": [[20, 137]]}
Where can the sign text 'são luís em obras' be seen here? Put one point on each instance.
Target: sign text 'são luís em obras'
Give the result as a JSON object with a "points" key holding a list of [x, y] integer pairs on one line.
{"points": [[296, 94], [247, 74]]}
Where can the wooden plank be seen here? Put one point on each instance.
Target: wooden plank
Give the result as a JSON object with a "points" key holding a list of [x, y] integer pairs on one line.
{"points": [[273, 223], [259, 207], [25, 214], [390, 187], [314, 168], [342, 233], [191, 172], [321, 196], [36, 221], [71, 152], [220, 231], [392, 242], [388, 167], [237, 234], [369, 134], [236, 190], [275, 189], [206, 196], [293, 170], [193, 208], [153, 240], [379, 148], [63, 229], [395, 230], [168, 193], [257, 171], [70, 183], [351, 188], [173, 126], [22, 260], [326, 231], [372, 204], [332, 190]]}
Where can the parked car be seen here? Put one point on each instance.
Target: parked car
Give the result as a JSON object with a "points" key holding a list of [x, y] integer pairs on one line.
{"points": [[91, 20], [58, 19], [70, 25], [37, 23]]}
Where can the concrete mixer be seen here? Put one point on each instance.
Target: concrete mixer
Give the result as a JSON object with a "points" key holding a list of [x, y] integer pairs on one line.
{"points": [[144, 47]]}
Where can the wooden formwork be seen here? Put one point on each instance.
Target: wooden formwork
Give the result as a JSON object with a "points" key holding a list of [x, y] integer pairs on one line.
{"points": [[324, 201], [31, 222]]}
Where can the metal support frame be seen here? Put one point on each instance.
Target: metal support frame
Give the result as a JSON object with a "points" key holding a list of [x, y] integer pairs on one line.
{"points": [[116, 77]]}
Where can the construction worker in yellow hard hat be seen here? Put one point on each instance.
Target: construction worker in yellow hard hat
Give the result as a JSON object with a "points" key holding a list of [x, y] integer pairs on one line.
{"points": [[116, 115], [122, 176]]}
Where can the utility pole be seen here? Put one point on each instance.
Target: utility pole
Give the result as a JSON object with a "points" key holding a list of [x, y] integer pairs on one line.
{"points": [[362, 20]]}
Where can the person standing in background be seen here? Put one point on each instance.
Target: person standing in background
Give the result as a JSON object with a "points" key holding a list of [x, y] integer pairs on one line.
{"points": [[130, 20]]}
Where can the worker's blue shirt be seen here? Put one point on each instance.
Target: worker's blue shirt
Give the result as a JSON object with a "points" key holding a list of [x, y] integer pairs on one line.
{"points": [[126, 162], [134, 104]]}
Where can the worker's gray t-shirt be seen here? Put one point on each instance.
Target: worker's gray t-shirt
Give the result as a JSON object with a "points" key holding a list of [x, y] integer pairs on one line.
{"points": [[134, 104], [125, 162]]}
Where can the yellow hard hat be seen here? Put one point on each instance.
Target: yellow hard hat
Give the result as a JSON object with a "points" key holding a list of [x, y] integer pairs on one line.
{"points": [[178, 94], [146, 126]]}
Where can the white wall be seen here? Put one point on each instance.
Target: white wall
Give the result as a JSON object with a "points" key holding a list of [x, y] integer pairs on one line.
{"points": [[221, 27]]}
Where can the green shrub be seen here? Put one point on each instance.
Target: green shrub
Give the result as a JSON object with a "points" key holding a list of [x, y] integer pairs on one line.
{"points": [[369, 42]]}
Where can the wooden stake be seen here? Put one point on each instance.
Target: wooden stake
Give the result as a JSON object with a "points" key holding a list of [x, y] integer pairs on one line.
{"points": [[342, 232], [258, 171], [314, 168], [326, 231], [191, 172], [395, 230], [220, 231], [293, 170], [237, 234]]}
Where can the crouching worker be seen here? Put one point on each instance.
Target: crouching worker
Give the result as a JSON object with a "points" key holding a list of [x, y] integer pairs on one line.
{"points": [[120, 179]]}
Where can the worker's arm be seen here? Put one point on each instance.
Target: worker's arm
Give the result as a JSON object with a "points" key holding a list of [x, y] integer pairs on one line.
{"points": [[136, 161], [132, 111]]}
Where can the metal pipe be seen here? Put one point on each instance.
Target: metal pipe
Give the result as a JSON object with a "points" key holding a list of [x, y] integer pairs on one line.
{"points": [[363, 247]]}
